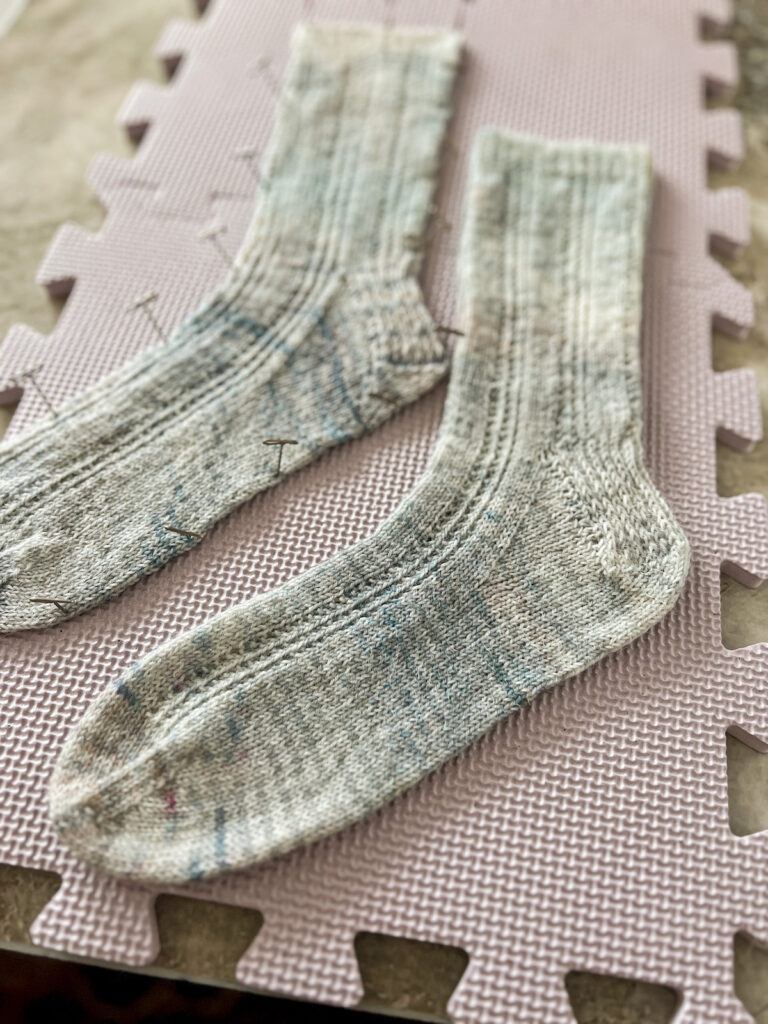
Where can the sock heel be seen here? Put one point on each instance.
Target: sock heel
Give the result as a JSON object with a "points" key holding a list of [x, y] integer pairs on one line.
{"points": [[407, 355], [623, 516]]}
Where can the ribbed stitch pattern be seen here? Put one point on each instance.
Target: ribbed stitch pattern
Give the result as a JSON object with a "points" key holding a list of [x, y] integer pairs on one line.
{"points": [[534, 545], [317, 334]]}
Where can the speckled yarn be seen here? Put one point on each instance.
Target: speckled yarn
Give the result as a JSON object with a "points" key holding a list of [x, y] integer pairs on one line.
{"points": [[317, 334], [534, 545]]}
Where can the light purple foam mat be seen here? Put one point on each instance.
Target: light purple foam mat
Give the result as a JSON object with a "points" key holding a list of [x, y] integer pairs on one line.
{"points": [[589, 832]]}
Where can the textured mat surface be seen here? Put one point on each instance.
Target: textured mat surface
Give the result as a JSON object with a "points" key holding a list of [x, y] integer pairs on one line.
{"points": [[589, 833]]}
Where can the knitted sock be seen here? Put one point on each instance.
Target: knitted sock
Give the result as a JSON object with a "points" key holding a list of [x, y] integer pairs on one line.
{"points": [[317, 335], [534, 545]]}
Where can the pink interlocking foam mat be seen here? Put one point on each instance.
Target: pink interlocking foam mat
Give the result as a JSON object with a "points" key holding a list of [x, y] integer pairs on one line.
{"points": [[589, 832]]}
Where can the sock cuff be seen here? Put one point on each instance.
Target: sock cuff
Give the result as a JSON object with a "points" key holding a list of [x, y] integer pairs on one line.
{"points": [[552, 259], [343, 42], [351, 171], [565, 157]]}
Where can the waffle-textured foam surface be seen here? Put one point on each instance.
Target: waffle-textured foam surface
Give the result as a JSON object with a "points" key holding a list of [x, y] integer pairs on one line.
{"points": [[589, 832]]}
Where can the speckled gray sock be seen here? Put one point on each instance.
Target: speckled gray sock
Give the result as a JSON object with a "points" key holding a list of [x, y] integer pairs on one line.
{"points": [[317, 334], [534, 545]]}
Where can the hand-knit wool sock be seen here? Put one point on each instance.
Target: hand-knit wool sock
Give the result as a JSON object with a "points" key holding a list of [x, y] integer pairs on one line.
{"points": [[534, 545], [317, 335]]}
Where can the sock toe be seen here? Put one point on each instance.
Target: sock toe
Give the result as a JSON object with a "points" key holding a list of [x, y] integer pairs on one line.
{"points": [[109, 818]]}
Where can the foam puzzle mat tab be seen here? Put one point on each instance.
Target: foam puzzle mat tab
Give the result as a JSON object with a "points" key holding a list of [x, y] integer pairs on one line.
{"points": [[590, 832]]}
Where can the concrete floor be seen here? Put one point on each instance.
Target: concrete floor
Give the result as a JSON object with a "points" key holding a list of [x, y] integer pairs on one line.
{"points": [[68, 64]]}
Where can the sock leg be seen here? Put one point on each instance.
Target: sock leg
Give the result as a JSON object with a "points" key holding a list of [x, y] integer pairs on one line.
{"points": [[535, 545], [318, 334]]}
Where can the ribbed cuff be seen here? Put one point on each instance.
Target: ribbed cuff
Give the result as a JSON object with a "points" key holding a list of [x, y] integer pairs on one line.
{"points": [[551, 271], [353, 164]]}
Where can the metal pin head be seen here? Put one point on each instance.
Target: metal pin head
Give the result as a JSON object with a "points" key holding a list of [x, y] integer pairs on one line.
{"points": [[212, 230], [25, 376], [384, 398], [63, 606], [249, 154], [216, 194], [143, 300], [212, 234], [280, 442], [184, 533], [263, 66]]}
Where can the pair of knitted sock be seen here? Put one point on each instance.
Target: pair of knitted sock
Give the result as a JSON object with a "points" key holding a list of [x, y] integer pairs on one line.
{"points": [[534, 544]]}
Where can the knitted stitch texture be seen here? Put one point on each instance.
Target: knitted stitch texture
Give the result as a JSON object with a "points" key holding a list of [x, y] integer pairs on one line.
{"points": [[317, 334], [534, 545]]}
